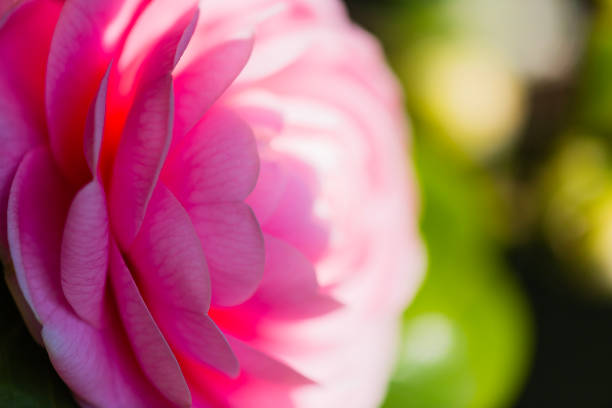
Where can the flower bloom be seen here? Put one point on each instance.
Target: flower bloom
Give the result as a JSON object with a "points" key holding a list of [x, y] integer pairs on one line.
{"points": [[205, 206]]}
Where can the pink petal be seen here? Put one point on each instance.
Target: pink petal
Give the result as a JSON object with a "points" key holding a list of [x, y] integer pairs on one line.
{"points": [[37, 208], [270, 188], [201, 83], [359, 109], [139, 159], [170, 266], [98, 365], [196, 336], [78, 59], [263, 366], [34, 327], [274, 53], [265, 122], [216, 162], [234, 249], [264, 381], [84, 253], [149, 345], [160, 34], [289, 287], [147, 133], [94, 127], [25, 36], [283, 201], [6, 5]]}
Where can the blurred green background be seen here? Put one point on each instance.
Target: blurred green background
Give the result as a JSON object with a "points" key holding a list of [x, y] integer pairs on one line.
{"points": [[511, 108]]}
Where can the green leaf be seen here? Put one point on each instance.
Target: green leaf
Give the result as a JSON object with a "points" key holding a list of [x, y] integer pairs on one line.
{"points": [[27, 378], [467, 334]]}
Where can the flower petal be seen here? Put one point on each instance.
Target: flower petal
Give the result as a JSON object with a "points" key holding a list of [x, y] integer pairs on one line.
{"points": [[270, 189], [5, 6], [35, 230], [234, 249], [160, 34], [195, 335], [147, 134], [25, 36], [201, 83], [141, 153], [263, 366], [216, 162], [98, 365], [94, 126], [289, 287], [170, 266], [79, 55], [84, 253], [34, 327], [284, 201], [263, 381], [273, 53], [149, 345]]}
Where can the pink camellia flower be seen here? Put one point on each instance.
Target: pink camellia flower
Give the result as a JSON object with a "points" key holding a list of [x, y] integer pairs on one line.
{"points": [[205, 206]]}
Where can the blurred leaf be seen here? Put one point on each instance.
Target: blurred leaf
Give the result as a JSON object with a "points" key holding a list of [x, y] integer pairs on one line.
{"points": [[27, 378], [467, 334], [468, 93], [399, 24], [575, 189], [595, 93]]}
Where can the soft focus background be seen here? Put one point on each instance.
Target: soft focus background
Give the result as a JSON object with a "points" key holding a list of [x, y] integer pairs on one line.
{"points": [[511, 106]]}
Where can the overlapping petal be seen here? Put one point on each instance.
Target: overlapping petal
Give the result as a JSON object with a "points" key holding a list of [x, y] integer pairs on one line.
{"points": [[98, 365], [187, 195], [234, 248], [148, 343], [94, 126], [167, 257], [140, 158], [25, 37], [84, 253], [147, 134], [203, 81], [289, 287], [216, 162], [196, 336], [79, 55], [35, 231]]}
